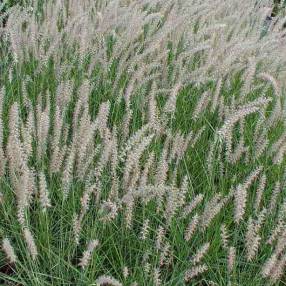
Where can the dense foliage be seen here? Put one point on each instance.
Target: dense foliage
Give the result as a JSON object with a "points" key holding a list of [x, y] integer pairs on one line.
{"points": [[142, 143]]}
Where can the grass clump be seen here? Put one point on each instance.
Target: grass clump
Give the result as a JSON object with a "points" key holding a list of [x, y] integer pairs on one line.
{"points": [[142, 143]]}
